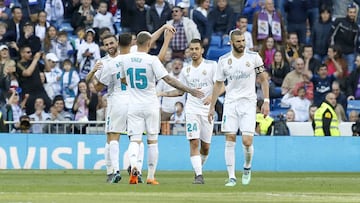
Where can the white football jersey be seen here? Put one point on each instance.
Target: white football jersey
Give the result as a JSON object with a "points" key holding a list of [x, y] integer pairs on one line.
{"points": [[201, 78], [109, 75], [142, 71], [240, 75]]}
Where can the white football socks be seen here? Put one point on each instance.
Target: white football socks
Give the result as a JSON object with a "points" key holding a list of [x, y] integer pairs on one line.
{"points": [[203, 159], [109, 169], [140, 159], [196, 164], [230, 158], [133, 152], [248, 154], [114, 154], [153, 155]]}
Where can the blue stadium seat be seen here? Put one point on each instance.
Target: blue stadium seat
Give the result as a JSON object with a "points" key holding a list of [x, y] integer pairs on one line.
{"points": [[215, 41], [226, 41], [249, 27], [214, 53], [353, 105], [66, 26]]}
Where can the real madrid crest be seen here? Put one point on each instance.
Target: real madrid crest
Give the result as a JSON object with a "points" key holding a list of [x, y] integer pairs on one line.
{"points": [[204, 72], [229, 61], [247, 64], [188, 70]]}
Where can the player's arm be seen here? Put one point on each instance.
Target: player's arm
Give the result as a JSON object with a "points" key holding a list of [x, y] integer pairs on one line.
{"points": [[173, 93], [178, 85], [157, 33], [167, 38], [265, 108], [217, 90]]}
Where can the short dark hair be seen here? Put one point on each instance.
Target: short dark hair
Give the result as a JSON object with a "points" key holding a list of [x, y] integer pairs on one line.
{"points": [[108, 36], [235, 32], [196, 41], [125, 39], [58, 98], [15, 7]]}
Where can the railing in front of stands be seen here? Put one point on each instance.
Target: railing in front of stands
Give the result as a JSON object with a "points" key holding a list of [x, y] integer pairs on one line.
{"points": [[94, 127]]}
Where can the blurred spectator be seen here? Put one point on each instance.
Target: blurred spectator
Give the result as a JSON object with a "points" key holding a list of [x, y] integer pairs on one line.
{"points": [[334, 62], [5, 37], [268, 23], [28, 72], [104, 18], [138, 14], [307, 85], [16, 23], [340, 7], [30, 39], [313, 12], [87, 54], [81, 105], [251, 7], [353, 82], [322, 82], [30, 9], [23, 126], [221, 19], [296, 17], [156, 16], [50, 39], [267, 52], [279, 68], [62, 47], [71, 6], [311, 63], [292, 50], [126, 6], [320, 34], [178, 117], [168, 103], [353, 116], [293, 77], [58, 113], [290, 115], [312, 110], [5, 11], [238, 6], [340, 96], [101, 111], [200, 17], [184, 4], [340, 112], [242, 24], [344, 33], [52, 74], [41, 26], [326, 121], [186, 30], [5, 73], [84, 16], [299, 104], [68, 83], [14, 107], [39, 115], [264, 123], [55, 11]]}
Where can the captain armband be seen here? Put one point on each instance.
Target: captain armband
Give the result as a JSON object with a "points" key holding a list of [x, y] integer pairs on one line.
{"points": [[259, 69]]}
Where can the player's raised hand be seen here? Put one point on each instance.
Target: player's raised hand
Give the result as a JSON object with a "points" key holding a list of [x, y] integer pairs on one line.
{"points": [[168, 34], [98, 65], [169, 27]]}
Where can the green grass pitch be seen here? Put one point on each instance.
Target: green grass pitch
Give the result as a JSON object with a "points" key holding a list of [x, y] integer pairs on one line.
{"points": [[89, 186]]}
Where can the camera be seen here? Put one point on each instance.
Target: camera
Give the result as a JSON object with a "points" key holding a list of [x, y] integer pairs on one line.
{"points": [[25, 122]]}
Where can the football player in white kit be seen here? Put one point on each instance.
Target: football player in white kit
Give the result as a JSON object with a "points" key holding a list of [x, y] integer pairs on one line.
{"points": [[199, 74], [239, 68], [117, 105], [141, 71]]}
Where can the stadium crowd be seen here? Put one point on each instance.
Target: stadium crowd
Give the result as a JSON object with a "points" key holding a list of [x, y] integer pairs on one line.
{"points": [[309, 48]]}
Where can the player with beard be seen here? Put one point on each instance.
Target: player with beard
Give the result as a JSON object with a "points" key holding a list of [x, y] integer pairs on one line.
{"points": [[199, 74], [240, 68]]}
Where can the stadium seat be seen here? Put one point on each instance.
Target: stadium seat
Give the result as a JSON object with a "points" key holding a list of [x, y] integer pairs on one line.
{"points": [[226, 41], [249, 27], [353, 105], [215, 41], [66, 26], [214, 53]]}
